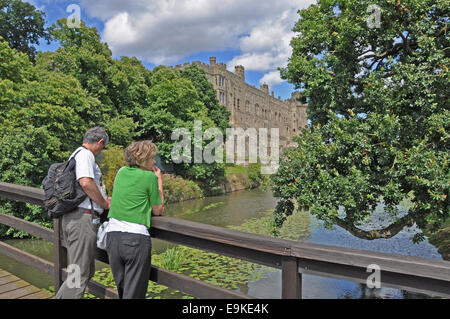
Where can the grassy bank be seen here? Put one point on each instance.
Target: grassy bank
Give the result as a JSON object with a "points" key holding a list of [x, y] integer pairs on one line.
{"points": [[240, 177], [177, 189]]}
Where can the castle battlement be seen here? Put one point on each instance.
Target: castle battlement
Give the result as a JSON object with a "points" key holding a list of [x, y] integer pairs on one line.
{"points": [[251, 106]]}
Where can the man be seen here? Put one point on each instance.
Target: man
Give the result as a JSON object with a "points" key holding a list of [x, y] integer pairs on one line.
{"points": [[79, 227]]}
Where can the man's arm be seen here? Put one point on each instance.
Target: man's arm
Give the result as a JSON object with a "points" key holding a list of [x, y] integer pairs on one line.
{"points": [[91, 189]]}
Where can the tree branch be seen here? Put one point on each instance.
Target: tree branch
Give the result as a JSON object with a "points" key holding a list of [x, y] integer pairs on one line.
{"points": [[385, 233]]}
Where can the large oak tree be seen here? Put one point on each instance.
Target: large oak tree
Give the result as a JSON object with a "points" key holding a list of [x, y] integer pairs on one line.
{"points": [[376, 77]]}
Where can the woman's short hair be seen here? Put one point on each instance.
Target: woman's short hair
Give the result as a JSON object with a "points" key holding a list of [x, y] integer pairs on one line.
{"points": [[137, 153]]}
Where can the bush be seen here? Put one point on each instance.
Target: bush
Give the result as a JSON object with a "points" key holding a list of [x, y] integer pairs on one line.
{"points": [[177, 189], [110, 161]]}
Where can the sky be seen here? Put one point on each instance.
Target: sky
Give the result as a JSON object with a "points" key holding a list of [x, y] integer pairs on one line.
{"points": [[252, 33]]}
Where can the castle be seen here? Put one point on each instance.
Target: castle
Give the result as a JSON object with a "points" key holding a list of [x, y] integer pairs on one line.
{"points": [[253, 107]]}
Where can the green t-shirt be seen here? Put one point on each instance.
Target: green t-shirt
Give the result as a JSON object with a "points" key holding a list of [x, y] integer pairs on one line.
{"points": [[135, 192]]}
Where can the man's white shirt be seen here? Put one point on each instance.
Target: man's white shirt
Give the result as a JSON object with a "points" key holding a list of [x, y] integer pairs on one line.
{"points": [[87, 167]]}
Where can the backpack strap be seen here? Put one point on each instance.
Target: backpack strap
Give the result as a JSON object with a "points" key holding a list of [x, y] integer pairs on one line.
{"points": [[92, 204], [73, 157], [79, 151]]}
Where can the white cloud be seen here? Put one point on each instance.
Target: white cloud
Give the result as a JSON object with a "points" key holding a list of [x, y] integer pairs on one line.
{"points": [[271, 78], [267, 46], [167, 31], [120, 30]]}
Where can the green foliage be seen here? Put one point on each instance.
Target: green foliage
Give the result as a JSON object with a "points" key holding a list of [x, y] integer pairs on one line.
{"points": [[46, 107], [379, 112], [22, 25], [177, 189], [173, 102], [172, 259], [25, 164], [121, 130], [110, 161], [36, 108], [249, 176], [283, 209], [218, 113], [254, 174]]}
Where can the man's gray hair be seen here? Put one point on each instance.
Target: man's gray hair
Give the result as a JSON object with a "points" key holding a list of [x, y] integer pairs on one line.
{"points": [[95, 134]]}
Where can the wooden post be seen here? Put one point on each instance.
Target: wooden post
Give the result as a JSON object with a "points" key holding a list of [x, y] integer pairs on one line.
{"points": [[291, 280], [59, 254]]}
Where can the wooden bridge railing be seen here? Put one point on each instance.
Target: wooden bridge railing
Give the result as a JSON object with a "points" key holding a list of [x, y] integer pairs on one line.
{"points": [[294, 259]]}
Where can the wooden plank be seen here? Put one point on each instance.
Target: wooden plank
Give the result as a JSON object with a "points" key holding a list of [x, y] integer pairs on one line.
{"points": [[223, 235], [21, 193], [37, 295], [291, 281], [21, 256], [28, 227], [12, 286], [7, 279], [59, 254], [258, 257], [3, 273], [21, 292], [422, 267], [192, 286], [388, 279]]}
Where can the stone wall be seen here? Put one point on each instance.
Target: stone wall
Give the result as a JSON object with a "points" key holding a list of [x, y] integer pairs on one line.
{"points": [[254, 107]]}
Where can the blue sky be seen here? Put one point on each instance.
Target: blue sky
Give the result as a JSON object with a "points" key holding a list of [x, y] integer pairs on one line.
{"points": [[252, 33]]}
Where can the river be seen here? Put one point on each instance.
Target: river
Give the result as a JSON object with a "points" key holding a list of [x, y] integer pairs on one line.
{"points": [[236, 208]]}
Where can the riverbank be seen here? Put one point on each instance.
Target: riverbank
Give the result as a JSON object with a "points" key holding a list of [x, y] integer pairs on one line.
{"points": [[177, 189]]}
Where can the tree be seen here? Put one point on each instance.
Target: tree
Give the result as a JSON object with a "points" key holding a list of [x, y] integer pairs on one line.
{"points": [[22, 25], [218, 113], [174, 102], [379, 114], [38, 125]]}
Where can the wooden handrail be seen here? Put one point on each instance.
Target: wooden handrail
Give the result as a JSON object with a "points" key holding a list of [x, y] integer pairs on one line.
{"points": [[399, 271]]}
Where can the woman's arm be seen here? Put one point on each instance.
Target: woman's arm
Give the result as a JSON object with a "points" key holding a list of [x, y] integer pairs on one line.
{"points": [[158, 210]]}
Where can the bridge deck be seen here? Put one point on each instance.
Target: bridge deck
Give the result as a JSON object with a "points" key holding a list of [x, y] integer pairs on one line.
{"points": [[12, 287]]}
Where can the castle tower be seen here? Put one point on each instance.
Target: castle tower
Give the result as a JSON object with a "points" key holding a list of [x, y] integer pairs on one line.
{"points": [[265, 88], [240, 71]]}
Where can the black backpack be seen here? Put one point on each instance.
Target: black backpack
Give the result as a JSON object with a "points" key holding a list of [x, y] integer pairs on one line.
{"points": [[62, 191]]}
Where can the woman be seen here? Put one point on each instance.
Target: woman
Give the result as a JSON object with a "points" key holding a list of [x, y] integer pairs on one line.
{"points": [[137, 193]]}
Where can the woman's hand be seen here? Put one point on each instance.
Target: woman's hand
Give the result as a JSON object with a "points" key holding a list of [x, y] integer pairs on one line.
{"points": [[157, 171], [160, 209]]}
